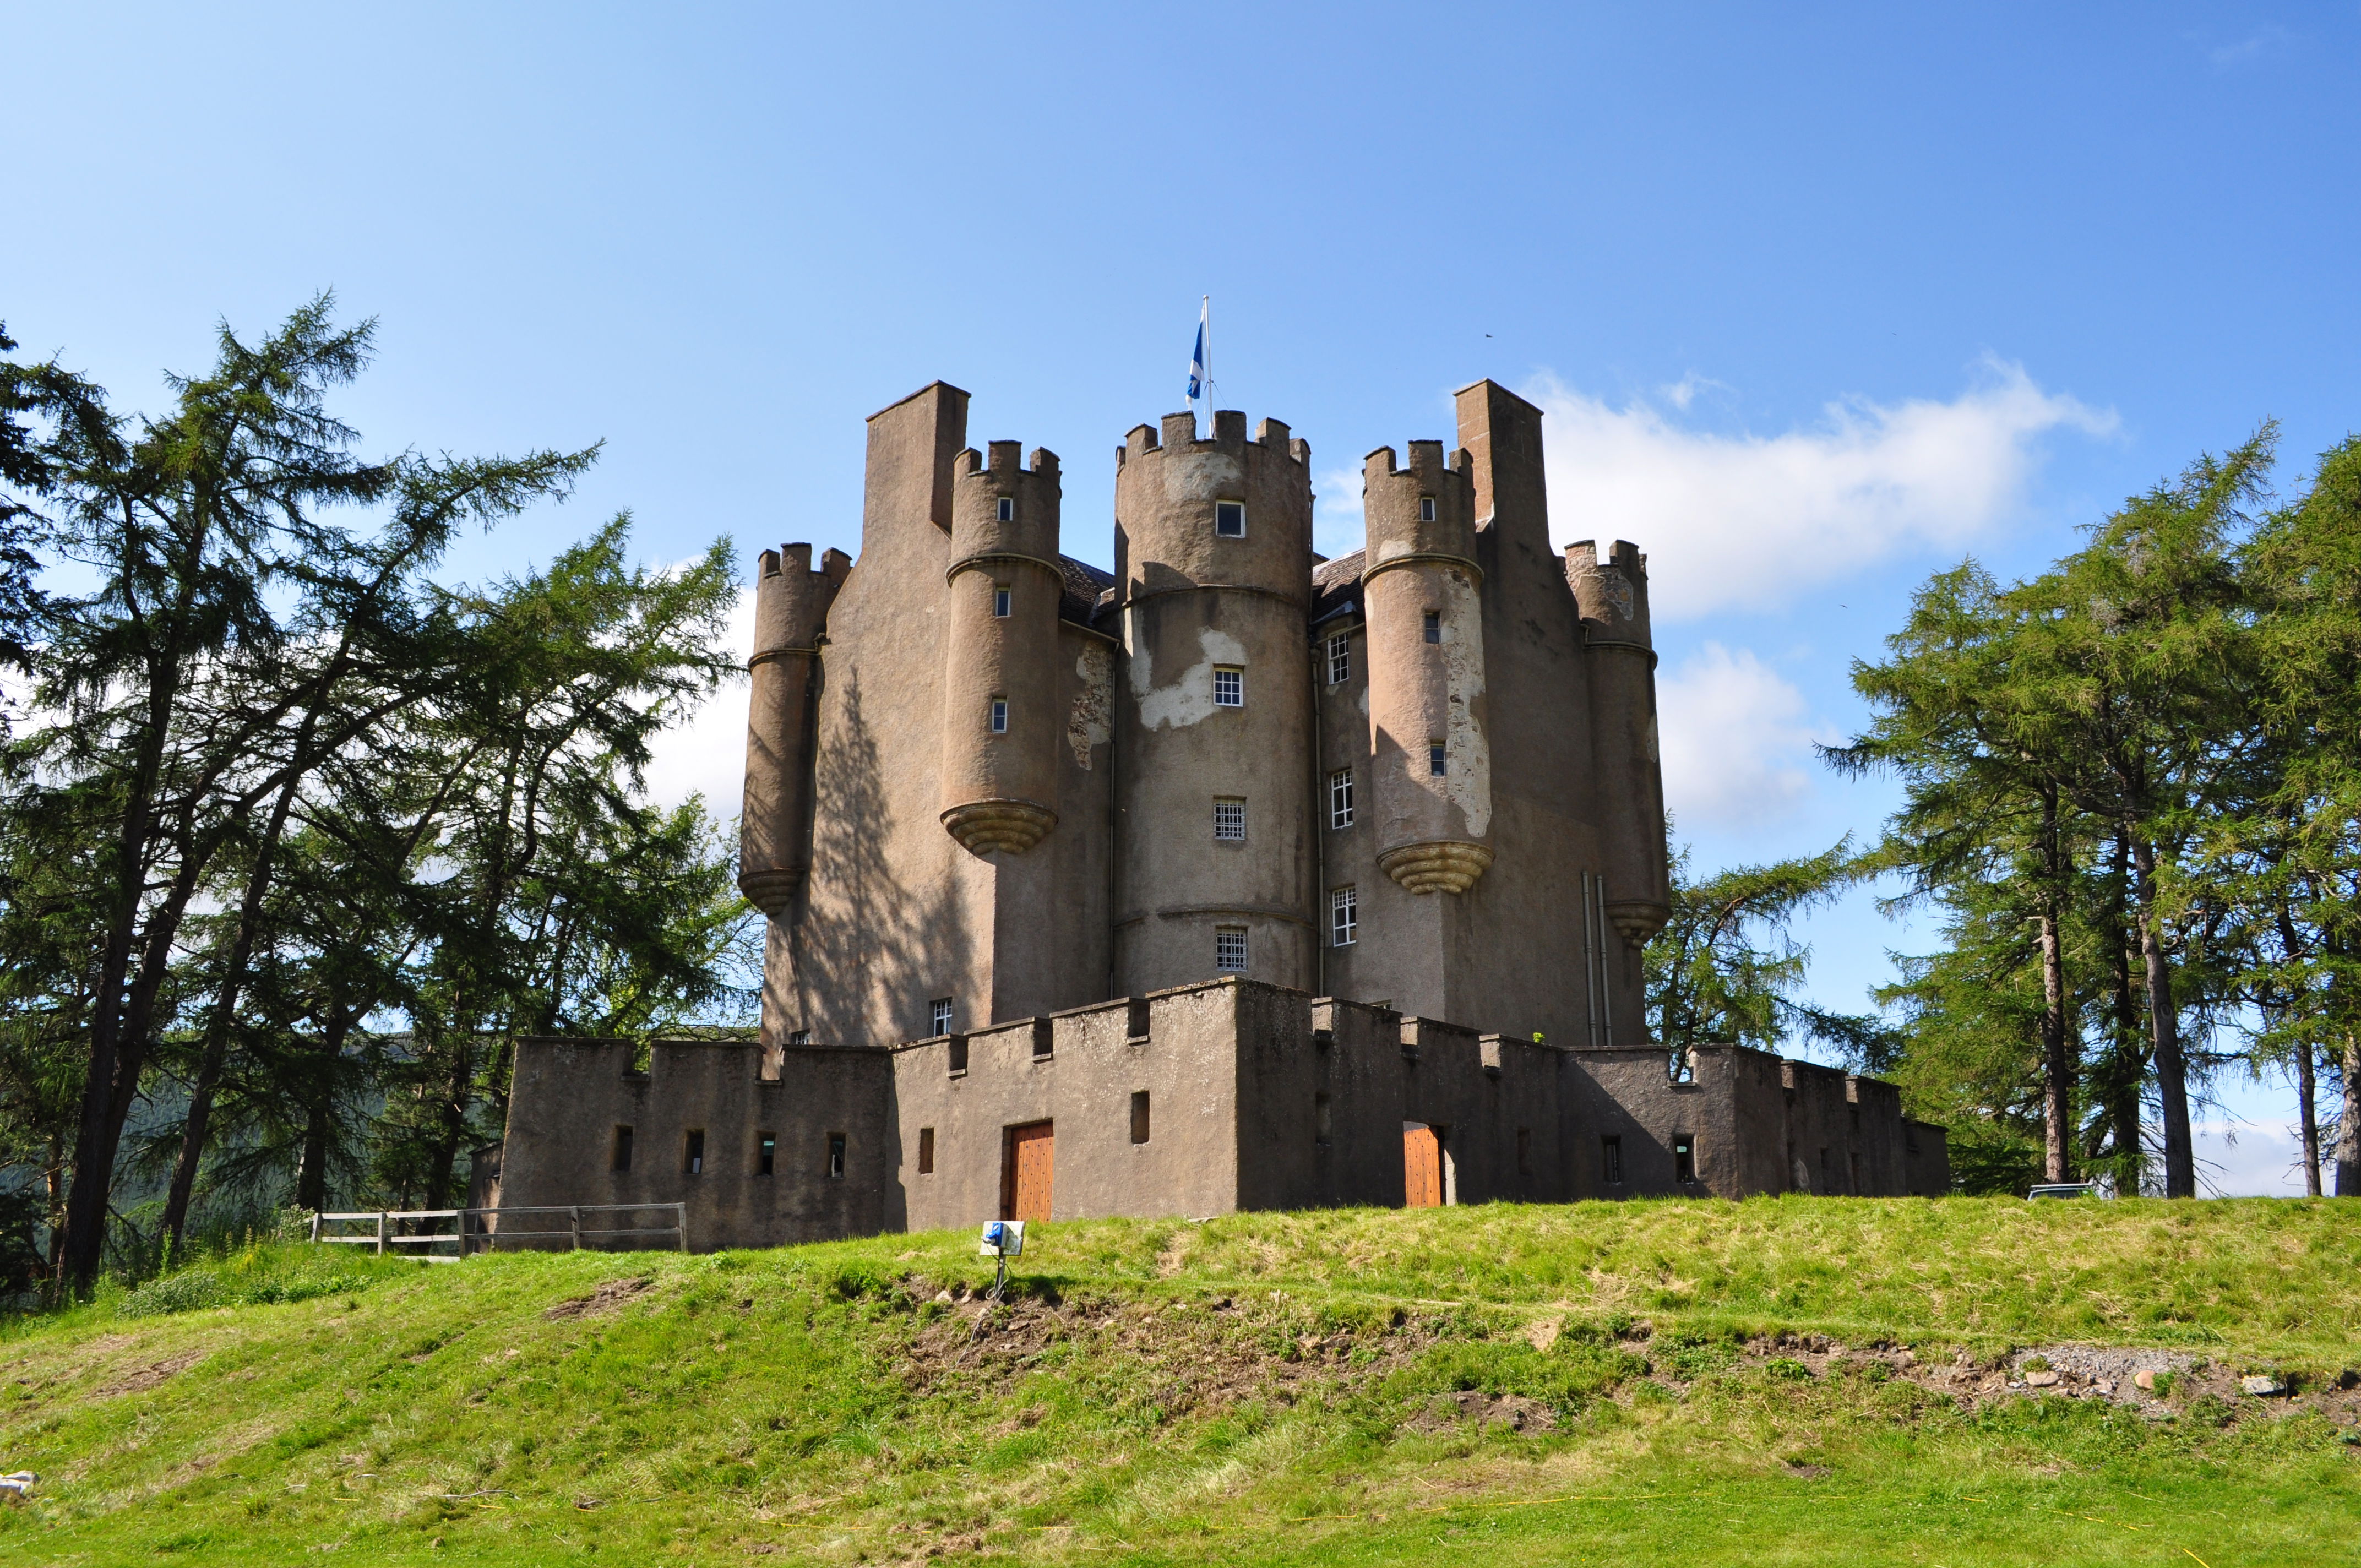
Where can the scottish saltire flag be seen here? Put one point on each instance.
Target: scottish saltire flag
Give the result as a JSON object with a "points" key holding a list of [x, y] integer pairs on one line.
{"points": [[1197, 357]]}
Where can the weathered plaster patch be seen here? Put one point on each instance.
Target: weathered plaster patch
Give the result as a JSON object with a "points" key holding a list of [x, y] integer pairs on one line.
{"points": [[1469, 781], [1188, 700], [1089, 725]]}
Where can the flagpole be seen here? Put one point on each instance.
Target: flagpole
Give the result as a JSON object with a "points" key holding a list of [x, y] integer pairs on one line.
{"points": [[1205, 314]]}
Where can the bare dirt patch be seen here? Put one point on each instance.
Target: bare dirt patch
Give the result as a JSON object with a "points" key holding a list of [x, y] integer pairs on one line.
{"points": [[1511, 1411], [146, 1377], [605, 1299]]}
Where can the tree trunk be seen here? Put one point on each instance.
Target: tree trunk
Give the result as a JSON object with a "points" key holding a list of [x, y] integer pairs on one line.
{"points": [[311, 1174], [2164, 1033], [2348, 1125], [2122, 1070], [2057, 1066], [2305, 1092]]}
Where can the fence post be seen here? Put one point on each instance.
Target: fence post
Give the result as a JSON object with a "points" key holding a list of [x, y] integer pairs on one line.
{"points": [[680, 1226], [315, 1227], [574, 1228], [380, 1233]]}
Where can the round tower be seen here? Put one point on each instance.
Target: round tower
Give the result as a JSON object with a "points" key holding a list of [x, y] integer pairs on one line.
{"points": [[1430, 765], [791, 604], [1213, 809], [1613, 597], [1001, 723]]}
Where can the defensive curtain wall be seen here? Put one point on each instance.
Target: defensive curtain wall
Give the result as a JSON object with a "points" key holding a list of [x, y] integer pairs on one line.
{"points": [[1207, 1098]]}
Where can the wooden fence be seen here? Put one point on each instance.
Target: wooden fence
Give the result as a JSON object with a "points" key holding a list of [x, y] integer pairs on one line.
{"points": [[484, 1230]]}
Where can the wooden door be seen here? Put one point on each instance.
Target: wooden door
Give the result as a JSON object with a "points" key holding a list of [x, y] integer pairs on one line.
{"points": [[1422, 1166], [1025, 1172]]}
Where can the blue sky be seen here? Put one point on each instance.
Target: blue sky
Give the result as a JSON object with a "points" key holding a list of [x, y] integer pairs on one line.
{"points": [[1819, 297]]}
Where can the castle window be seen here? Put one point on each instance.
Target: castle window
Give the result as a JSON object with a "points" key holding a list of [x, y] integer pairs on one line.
{"points": [[939, 1013], [1000, 604], [1230, 949], [835, 1156], [1433, 626], [1611, 1157], [1426, 508], [1230, 520], [1229, 687], [692, 1157], [622, 1160], [1139, 1116], [1323, 1121], [1436, 763], [1344, 916], [1340, 798], [1005, 511], [1340, 659], [799, 1037], [1684, 1159], [926, 1151], [766, 1154], [1000, 716], [1229, 818]]}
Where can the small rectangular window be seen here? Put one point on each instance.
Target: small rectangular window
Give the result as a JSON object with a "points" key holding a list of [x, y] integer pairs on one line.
{"points": [[1230, 949], [1437, 761], [766, 1154], [1340, 799], [1229, 818], [1611, 1152], [799, 1037], [1524, 1151], [1432, 629], [835, 1156], [939, 1013], [1139, 1116], [1005, 511], [1000, 604], [1000, 716], [1426, 508], [1340, 659], [958, 1053], [1230, 520], [692, 1157], [1684, 1159], [622, 1160], [1323, 1119], [926, 1151], [1344, 916], [1229, 687]]}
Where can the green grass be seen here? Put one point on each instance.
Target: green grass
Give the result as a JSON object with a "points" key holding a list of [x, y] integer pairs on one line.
{"points": [[1263, 1388]]}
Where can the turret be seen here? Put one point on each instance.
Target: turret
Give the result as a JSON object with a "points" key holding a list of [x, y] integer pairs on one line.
{"points": [[1430, 766], [1214, 558], [791, 603], [1613, 597], [1001, 723]]}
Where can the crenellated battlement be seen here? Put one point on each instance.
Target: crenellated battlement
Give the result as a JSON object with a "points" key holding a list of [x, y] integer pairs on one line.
{"points": [[1180, 433], [981, 483], [1613, 593], [791, 601]]}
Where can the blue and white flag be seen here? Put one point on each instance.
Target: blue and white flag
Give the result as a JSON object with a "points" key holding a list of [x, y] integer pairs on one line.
{"points": [[1197, 357]]}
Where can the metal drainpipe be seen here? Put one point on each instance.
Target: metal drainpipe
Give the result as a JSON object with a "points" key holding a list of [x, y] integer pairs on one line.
{"points": [[1319, 837]]}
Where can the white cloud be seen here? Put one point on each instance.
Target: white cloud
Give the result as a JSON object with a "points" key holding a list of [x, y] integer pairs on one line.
{"points": [[1748, 521], [708, 752], [1736, 739], [1336, 526], [2251, 1159]]}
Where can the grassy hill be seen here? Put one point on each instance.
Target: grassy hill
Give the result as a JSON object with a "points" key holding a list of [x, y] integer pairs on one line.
{"points": [[1796, 1380]]}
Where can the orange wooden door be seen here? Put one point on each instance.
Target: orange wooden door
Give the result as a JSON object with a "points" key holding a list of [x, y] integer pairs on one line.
{"points": [[1025, 1191], [1421, 1168]]}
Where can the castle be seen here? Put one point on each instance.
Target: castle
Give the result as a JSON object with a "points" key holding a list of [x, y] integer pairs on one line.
{"points": [[1239, 878]]}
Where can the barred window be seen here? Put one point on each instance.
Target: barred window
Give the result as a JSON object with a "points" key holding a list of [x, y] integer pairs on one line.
{"points": [[940, 1013], [1230, 520], [1229, 687], [1230, 949], [1229, 817], [1344, 916], [799, 1037], [1340, 798], [1340, 659], [1436, 762]]}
